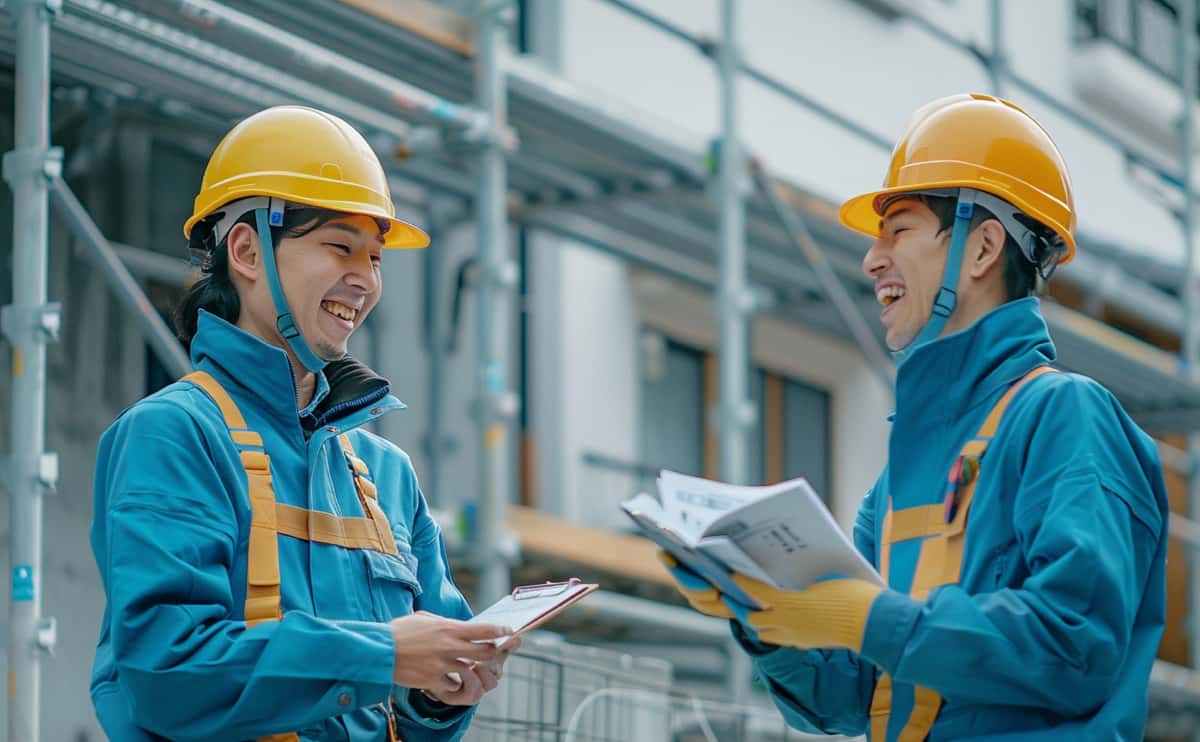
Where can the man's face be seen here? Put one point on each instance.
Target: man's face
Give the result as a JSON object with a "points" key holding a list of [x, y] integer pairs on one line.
{"points": [[906, 264], [331, 279]]}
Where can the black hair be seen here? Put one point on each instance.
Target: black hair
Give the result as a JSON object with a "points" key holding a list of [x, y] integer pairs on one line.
{"points": [[214, 292], [1020, 273]]}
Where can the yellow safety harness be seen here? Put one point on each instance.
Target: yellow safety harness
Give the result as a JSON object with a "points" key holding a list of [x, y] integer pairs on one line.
{"points": [[269, 518], [943, 526]]}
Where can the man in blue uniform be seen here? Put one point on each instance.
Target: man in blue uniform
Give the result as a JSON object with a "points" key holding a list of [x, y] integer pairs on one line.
{"points": [[271, 569], [1037, 617]]}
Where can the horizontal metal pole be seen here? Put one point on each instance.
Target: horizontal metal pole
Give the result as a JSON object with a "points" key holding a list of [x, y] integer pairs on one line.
{"points": [[684, 624], [104, 257], [156, 266], [403, 97]]}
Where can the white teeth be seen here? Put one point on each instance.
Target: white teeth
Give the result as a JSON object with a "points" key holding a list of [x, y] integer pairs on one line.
{"points": [[889, 294], [340, 310]]}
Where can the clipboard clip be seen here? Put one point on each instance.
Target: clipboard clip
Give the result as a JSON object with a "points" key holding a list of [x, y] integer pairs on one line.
{"points": [[545, 590]]}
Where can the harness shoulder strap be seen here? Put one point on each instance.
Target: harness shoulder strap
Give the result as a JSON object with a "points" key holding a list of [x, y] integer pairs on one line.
{"points": [[262, 563], [384, 540], [262, 558], [943, 526]]}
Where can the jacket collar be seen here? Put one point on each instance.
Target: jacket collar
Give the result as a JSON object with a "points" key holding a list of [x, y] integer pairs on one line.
{"points": [[944, 379], [264, 373]]}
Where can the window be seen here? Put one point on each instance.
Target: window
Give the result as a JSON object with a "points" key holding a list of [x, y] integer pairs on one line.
{"points": [[1147, 29], [790, 436], [672, 406]]}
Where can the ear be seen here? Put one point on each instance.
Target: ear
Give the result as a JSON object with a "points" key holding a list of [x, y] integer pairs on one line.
{"points": [[988, 254], [244, 257]]}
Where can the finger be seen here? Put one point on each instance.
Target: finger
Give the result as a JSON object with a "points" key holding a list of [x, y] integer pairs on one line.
{"points": [[667, 559], [448, 685], [737, 609], [488, 676], [763, 619], [476, 651], [471, 690], [710, 605], [474, 631], [763, 593], [510, 647]]}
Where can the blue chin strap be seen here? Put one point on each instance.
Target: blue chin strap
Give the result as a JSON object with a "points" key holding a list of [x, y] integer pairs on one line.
{"points": [[265, 219], [947, 296]]}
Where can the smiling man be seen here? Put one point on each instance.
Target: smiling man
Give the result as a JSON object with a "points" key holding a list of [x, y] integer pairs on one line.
{"points": [[271, 569], [1020, 524]]}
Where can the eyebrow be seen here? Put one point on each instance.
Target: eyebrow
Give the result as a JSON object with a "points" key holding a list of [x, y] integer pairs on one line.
{"points": [[351, 229], [893, 214]]}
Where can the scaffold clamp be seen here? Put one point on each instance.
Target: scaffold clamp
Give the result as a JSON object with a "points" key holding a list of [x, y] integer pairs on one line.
{"points": [[47, 635], [28, 160], [26, 326]]}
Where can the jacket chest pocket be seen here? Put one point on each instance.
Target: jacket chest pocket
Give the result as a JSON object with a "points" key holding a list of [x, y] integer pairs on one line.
{"points": [[394, 584]]}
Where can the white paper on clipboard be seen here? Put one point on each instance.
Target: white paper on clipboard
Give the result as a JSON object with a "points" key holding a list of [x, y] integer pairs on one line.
{"points": [[528, 606]]}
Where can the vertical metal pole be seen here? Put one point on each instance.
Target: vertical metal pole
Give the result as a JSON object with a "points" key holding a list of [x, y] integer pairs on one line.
{"points": [[435, 334], [495, 279], [28, 324], [733, 293], [733, 300], [995, 61], [1187, 79]]}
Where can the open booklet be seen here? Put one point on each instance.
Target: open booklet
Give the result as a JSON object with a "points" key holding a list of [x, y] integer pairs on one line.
{"points": [[781, 534]]}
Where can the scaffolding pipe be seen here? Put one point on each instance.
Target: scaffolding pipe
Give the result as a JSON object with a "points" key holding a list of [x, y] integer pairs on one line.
{"points": [[1187, 89], [734, 299], [879, 361], [733, 296], [29, 324], [220, 18], [495, 280], [996, 62], [102, 255]]}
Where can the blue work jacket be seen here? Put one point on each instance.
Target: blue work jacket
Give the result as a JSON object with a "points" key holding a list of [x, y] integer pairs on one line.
{"points": [[1054, 627], [175, 659]]}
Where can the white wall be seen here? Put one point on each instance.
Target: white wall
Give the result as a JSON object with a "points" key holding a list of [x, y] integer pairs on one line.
{"points": [[874, 71]]}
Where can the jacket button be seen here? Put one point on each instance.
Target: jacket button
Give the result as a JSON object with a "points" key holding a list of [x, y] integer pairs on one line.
{"points": [[376, 411], [332, 429], [344, 699]]}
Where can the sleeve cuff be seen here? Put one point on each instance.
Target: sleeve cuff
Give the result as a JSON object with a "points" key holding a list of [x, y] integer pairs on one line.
{"points": [[889, 624], [414, 705], [747, 641]]}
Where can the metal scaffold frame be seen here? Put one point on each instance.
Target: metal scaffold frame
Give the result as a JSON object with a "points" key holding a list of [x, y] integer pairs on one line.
{"points": [[646, 199]]}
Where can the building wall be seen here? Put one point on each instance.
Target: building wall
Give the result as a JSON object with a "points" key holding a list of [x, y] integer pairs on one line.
{"points": [[585, 309]]}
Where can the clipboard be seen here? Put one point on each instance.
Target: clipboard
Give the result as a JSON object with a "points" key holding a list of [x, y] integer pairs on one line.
{"points": [[530, 606]]}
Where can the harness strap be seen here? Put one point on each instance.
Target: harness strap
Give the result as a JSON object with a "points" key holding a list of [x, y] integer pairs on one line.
{"points": [[944, 528], [269, 518]]}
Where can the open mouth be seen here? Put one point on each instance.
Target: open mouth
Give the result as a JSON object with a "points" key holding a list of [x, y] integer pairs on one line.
{"points": [[339, 310], [889, 295]]}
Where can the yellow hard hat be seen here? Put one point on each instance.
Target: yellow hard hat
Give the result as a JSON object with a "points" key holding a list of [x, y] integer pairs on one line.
{"points": [[304, 156], [980, 142]]}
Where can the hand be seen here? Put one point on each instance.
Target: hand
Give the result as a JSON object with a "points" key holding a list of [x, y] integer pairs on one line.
{"points": [[699, 592], [436, 654], [831, 613], [489, 672], [481, 678]]}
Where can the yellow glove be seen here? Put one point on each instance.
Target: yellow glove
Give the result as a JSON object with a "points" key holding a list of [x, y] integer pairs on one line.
{"points": [[832, 613], [699, 593]]}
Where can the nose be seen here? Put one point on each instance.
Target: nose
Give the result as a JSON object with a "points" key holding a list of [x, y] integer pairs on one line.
{"points": [[363, 274], [876, 260]]}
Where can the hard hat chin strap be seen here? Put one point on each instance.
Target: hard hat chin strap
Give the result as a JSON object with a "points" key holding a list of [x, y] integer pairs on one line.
{"points": [[272, 216], [947, 296]]}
